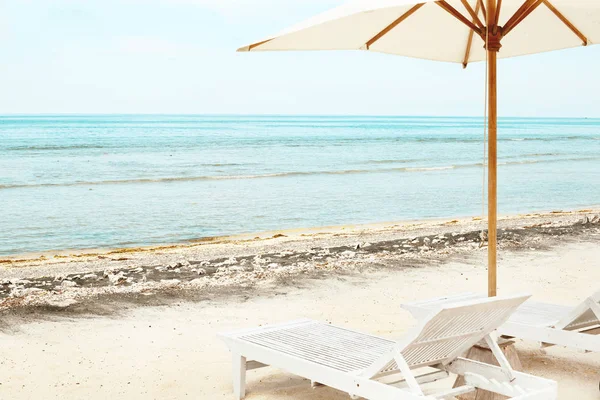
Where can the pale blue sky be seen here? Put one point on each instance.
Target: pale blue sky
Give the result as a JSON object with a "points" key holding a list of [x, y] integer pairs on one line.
{"points": [[178, 56]]}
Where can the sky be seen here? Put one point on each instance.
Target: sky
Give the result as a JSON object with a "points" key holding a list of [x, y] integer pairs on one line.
{"points": [[178, 56]]}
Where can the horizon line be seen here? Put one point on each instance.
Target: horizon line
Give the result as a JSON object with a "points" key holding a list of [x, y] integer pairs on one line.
{"points": [[92, 114]]}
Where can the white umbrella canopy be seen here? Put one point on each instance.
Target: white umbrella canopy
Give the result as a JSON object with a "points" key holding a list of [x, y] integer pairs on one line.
{"points": [[459, 31], [429, 31]]}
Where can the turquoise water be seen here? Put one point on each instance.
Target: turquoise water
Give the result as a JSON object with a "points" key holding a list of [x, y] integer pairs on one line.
{"points": [[71, 182]]}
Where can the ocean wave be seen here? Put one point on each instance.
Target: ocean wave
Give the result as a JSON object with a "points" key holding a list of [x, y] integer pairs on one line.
{"points": [[505, 139], [539, 155], [398, 161], [284, 174], [527, 155], [444, 140], [423, 169], [477, 139], [222, 164], [547, 138], [332, 141], [191, 178], [57, 147]]}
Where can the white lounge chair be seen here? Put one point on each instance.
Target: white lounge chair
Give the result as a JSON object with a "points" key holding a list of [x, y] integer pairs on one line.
{"points": [[575, 327], [381, 369]]}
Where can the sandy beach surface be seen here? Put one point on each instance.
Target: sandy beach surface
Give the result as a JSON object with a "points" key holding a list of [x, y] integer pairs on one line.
{"points": [[140, 324]]}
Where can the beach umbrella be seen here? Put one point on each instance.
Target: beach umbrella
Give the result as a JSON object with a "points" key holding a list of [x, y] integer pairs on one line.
{"points": [[459, 31]]}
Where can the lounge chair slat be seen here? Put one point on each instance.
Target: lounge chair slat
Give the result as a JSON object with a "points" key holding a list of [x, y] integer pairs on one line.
{"points": [[319, 346]]}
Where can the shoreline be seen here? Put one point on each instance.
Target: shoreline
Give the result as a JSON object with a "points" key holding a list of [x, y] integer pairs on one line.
{"points": [[243, 264], [289, 233]]}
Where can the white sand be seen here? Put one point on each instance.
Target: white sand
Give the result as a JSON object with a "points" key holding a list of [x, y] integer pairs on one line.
{"points": [[173, 353]]}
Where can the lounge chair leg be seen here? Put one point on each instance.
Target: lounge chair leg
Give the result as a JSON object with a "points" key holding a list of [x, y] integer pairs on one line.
{"points": [[239, 376]]}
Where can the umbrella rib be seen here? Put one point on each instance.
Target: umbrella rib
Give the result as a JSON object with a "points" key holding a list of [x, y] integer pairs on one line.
{"points": [[470, 39], [526, 4], [452, 11], [523, 12], [393, 25], [567, 22], [497, 16], [252, 46], [483, 11], [473, 14]]}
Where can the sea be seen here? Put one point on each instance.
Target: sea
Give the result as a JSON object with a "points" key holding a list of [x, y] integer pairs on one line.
{"points": [[105, 181]]}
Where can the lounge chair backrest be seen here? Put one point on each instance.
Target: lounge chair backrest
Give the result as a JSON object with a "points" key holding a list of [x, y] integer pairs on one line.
{"points": [[584, 316], [452, 330]]}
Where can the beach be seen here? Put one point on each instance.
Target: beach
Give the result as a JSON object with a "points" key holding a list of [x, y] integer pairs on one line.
{"points": [[142, 323]]}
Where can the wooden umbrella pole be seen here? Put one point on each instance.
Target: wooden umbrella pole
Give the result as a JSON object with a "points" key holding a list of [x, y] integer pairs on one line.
{"points": [[493, 38], [492, 174]]}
